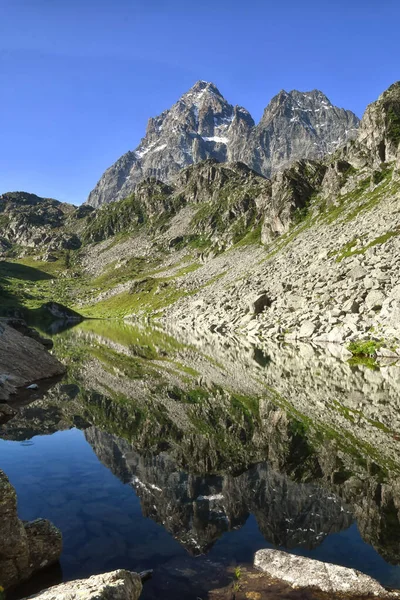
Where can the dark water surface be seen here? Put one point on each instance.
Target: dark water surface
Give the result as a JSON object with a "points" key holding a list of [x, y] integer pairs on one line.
{"points": [[159, 454]]}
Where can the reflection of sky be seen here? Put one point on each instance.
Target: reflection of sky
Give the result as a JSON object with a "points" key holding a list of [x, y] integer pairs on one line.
{"points": [[60, 477]]}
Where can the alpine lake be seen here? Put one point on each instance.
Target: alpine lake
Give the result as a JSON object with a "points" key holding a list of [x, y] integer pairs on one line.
{"points": [[187, 453]]}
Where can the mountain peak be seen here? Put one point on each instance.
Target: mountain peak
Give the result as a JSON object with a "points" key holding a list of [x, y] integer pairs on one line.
{"points": [[201, 87], [202, 125]]}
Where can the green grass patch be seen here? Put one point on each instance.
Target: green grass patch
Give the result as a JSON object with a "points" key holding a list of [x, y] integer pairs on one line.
{"points": [[366, 348]]}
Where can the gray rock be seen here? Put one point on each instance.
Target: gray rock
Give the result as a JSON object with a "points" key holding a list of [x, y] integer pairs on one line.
{"points": [[23, 359], [301, 572], [351, 306], [259, 304], [375, 299], [25, 547], [202, 124], [44, 542], [116, 585], [357, 272], [306, 329]]}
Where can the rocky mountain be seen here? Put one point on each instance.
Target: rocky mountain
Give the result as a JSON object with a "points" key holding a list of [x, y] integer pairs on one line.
{"points": [[202, 124], [312, 251], [30, 221]]}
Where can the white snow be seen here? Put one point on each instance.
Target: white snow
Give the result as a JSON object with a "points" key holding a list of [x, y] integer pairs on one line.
{"points": [[223, 120], [155, 487], [159, 148], [212, 497], [151, 148], [136, 480], [216, 138], [141, 153]]}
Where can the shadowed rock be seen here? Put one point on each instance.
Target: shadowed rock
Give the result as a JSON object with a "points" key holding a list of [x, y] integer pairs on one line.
{"points": [[24, 547]]}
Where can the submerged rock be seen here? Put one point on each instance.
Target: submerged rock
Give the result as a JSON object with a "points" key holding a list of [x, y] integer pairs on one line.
{"points": [[24, 547], [117, 585], [301, 572]]}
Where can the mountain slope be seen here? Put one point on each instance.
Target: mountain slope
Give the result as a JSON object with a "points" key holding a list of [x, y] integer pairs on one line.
{"points": [[202, 124], [310, 253]]}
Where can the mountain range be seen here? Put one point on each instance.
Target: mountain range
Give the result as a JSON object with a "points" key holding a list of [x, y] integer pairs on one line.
{"points": [[202, 125]]}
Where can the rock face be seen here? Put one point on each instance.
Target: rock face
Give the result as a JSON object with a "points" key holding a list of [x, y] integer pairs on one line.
{"points": [[202, 124], [23, 360], [24, 547], [117, 585], [303, 572], [379, 133], [31, 221]]}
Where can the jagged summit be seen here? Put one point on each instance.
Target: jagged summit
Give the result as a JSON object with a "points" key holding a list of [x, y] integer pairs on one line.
{"points": [[202, 86], [202, 124]]}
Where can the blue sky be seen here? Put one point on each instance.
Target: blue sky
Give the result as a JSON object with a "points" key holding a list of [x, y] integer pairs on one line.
{"points": [[80, 78]]}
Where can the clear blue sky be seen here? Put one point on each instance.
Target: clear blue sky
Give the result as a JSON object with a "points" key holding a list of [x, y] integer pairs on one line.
{"points": [[79, 78]]}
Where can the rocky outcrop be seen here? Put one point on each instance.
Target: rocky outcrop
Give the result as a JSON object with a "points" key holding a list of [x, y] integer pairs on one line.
{"points": [[31, 221], [25, 548], [61, 312], [301, 572], [290, 195], [117, 585], [23, 359], [203, 125], [379, 135], [223, 202]]}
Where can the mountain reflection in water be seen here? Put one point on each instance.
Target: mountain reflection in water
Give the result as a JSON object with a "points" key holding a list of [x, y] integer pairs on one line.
{"points": [[217, 442]]}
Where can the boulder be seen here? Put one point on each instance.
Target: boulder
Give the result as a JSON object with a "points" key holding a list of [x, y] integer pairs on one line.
{"points": [[375, 299], [23, 360], [357, 272], [307, 329], [259, 303], [301, 572], [24, 547], [117, 585]]}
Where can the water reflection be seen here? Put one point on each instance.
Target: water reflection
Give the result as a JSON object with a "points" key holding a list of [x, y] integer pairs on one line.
{"points": [[289, 445]]}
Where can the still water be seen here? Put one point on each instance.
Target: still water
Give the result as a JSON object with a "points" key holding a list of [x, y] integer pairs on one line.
{"points": [[178, 454]]}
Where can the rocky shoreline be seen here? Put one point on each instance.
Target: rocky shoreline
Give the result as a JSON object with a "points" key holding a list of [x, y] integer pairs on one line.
{"points": [[24, 360], [25, 547]]}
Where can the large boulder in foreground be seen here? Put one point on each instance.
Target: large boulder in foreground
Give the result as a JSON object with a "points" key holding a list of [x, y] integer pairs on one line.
{"points": [[301, 572], [23, 360], [24, 547], [117, 585]]}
